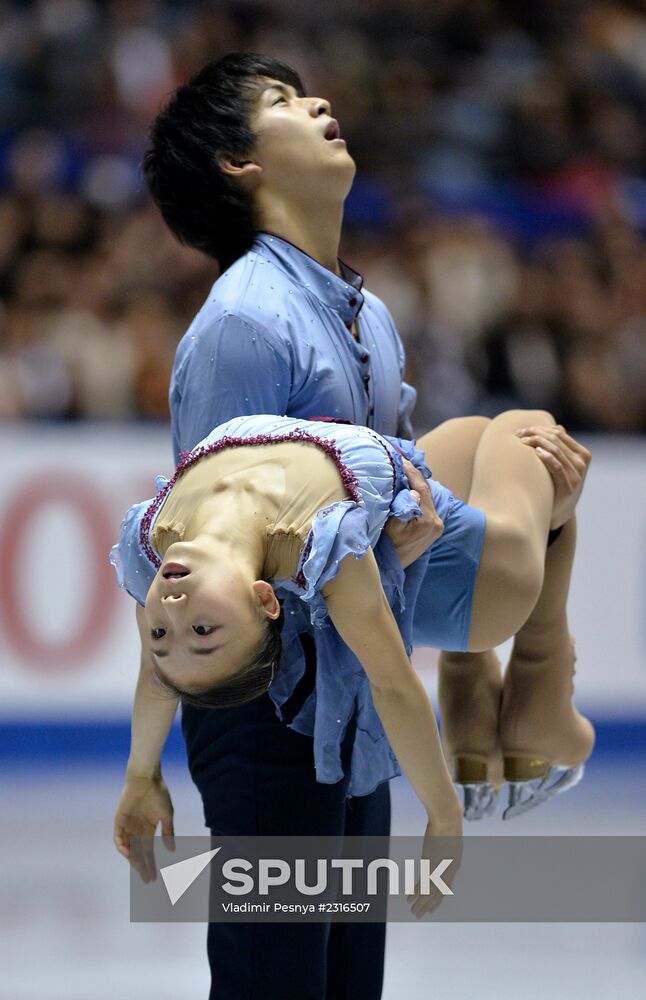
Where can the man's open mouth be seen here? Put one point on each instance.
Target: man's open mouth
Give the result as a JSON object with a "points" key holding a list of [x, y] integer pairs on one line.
{"points": [[332, 131]]}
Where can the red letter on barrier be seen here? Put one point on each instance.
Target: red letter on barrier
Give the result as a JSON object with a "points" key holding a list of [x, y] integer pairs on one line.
{"points": [[74, 651]]}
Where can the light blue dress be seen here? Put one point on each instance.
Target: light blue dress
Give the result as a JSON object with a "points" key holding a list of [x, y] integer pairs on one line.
{"points": [[371, 468]]}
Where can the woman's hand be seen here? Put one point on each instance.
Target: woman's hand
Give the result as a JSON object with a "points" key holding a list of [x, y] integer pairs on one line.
{"points": [[411, 538], [437, 847], [144, 802]]}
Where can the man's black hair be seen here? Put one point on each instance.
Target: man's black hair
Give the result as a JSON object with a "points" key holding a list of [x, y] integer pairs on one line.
{"points": [[249, 683], [204, 117]]}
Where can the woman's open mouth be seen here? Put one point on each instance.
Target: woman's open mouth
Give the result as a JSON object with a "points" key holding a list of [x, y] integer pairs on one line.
{"points": [[174, 571]]}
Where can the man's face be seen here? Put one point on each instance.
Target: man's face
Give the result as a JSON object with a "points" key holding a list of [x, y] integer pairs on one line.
{"points": [[297, 159]]}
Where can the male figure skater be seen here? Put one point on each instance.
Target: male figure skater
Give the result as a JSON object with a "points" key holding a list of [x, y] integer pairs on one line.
{"points": [[248, 169], [253, 172]]}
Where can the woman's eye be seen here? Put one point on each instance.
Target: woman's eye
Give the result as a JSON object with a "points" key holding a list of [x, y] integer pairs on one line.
{"points": [[204, 629], [279, 99], [157, 633]]}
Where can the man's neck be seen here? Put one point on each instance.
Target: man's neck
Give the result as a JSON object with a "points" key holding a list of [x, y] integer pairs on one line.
{"points": [[316, 235]]}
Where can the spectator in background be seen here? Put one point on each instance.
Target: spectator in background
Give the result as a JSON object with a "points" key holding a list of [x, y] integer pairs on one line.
{"points": [[502, 129]]}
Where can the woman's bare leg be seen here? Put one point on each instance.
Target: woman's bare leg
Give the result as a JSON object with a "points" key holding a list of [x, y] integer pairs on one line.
{"points": [[516, 492], [538, 721], [521, 590], [470, 684], [484, 462], [450, 451]]}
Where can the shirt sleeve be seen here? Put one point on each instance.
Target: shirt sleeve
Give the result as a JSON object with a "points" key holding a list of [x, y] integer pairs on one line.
{"points": [[407, 394], [407, 400], [231, 369]]}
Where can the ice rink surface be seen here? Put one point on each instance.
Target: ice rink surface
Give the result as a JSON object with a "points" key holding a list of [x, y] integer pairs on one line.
{"points": [[65, 932]]}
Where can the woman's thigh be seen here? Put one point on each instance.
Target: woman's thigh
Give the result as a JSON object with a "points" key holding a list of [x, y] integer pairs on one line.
{"points": [[515, 491], [449, 450], [443, 606]]}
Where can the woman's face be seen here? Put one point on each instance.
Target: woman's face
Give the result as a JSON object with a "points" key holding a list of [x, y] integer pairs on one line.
{"points": [[204, 618]]}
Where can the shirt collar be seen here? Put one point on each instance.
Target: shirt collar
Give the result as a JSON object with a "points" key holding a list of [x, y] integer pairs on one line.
{"points": [[340, 292]]}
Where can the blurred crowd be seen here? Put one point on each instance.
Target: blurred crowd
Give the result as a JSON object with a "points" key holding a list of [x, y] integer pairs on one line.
{"points": [[499, 207]]}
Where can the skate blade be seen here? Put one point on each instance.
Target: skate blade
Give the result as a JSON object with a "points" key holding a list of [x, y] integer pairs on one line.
{"points": [[526, 795], [479, 799]]}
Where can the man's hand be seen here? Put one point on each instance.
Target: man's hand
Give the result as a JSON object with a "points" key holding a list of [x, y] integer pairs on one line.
{"points": [[144, 802], [567, 462], [411, 538]]}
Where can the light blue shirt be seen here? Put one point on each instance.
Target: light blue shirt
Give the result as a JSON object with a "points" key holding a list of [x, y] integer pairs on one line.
{"points": [[274, 337]]}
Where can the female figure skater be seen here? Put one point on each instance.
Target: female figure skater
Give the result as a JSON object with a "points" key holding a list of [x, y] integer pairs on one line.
{"points": [[266, 498]]}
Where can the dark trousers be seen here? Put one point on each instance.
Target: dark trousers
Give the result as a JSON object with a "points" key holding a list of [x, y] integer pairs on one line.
{"points": [[256, 777]]}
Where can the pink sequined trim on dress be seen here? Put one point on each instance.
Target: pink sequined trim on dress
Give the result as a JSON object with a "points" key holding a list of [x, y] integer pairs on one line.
{"points": [[187, 459]]}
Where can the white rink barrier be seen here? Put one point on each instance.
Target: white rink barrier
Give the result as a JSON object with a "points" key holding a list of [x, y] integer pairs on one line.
{"points": [[67, 633]]}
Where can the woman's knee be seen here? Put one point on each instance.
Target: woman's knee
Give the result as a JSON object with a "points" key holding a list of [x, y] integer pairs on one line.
{"points": [[526, 418], [450, 451]]}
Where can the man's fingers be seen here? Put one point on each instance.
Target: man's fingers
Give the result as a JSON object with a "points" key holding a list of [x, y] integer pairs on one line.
{"points": [[409, 468], [559, 432], [561, 455], [577, 461], [573, 443], [415, 478], [547, 443], [554, 468], [419, 487]]}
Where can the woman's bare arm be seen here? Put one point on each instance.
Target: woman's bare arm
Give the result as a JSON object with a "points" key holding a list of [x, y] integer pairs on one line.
{"points": [[361, 615], [152, 714]]}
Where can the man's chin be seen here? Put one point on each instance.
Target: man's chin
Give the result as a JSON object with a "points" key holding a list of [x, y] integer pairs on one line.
{"points": [[350, 181]]}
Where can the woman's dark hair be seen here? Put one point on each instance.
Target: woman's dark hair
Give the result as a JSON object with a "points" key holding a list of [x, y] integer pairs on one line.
{"points": [[249, 683], [207, 116]]}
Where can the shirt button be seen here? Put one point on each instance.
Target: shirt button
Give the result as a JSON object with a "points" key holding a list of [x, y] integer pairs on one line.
{"points": [[364, 358], [353, 300], [348, 323], [372, 410]]}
